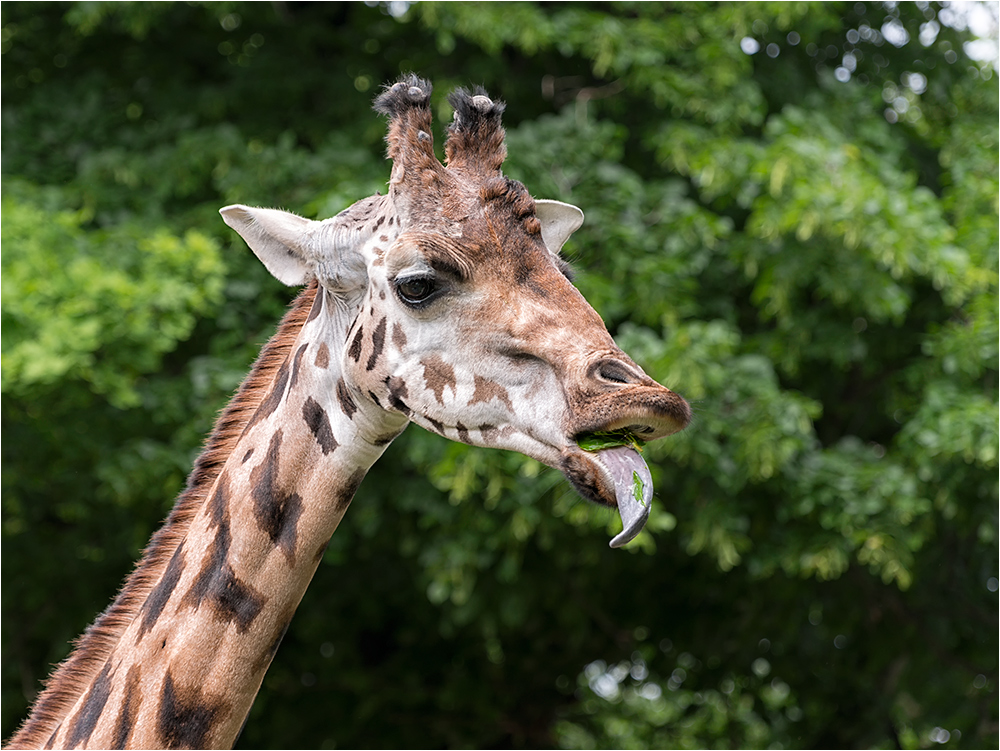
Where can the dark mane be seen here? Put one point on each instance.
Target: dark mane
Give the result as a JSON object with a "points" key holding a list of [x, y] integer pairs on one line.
{"points": [[91, 650]]}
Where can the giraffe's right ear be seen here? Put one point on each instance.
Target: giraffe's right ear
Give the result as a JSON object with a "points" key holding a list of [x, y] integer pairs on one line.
{"points": [[279, 239], [559, 220]]}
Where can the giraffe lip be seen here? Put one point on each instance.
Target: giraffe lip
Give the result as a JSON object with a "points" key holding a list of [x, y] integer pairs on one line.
{"points": [[650, 412]]}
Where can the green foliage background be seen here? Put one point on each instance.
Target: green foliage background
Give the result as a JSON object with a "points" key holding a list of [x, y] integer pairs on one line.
{"points": [[811, 261]]}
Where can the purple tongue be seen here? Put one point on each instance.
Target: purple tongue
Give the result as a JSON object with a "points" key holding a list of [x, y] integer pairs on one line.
{"points": [[633, 489]]}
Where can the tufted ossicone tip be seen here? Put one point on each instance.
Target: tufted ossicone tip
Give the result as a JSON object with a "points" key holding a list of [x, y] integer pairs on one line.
{"points": [[408, 92], [475, 137]]}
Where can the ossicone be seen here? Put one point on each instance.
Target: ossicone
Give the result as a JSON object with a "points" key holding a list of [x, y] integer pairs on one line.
{"points": [[475, 137], [416, 172], [408, 92]]}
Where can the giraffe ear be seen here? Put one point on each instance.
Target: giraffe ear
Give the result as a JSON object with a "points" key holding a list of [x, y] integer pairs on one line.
{"points": [[559, 220], [277, 238]]}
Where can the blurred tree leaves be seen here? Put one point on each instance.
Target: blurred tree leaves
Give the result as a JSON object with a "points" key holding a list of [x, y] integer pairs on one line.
{"points": [[791, 220], [144, 292]]}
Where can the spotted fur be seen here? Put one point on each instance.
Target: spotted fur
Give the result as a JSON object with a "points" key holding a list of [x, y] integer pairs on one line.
{"points": [[438, 376], [131, 703], [378, 341], [76, 674], [398, 337], [216, 583], [276, 510], [486, 391], [319, 423], [296, 365], [354, 351], [187, 717], [86, 719], [322, 357], [345, 399], [158, 597]]}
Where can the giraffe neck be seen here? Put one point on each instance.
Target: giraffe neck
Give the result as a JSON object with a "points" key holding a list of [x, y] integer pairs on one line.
{"points": [[192, 650]]}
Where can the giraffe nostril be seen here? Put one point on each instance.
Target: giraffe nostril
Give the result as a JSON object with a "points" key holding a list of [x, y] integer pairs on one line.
{"points": [[614, 371]]}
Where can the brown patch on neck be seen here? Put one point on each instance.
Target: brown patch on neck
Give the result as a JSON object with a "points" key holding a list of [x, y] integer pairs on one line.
{"points": [[276, 510], [80, 670], [322, 356], [129, 713], [187, 715]]}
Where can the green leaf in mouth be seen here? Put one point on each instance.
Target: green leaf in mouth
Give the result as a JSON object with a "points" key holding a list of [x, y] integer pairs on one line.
{"points": [[608, 440], [637, 487]]}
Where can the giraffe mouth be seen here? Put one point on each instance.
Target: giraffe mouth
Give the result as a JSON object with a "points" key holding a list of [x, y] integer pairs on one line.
{"points": [[617, 477]]}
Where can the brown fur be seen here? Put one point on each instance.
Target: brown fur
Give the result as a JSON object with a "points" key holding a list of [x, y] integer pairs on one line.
{"points": [[75, 675]]}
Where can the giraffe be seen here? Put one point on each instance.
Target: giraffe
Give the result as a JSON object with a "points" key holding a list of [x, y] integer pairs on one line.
{"points": [[443, 303]]}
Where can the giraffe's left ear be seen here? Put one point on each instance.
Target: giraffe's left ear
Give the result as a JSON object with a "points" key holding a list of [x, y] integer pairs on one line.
{"points": [[559, 220], [277, 238]]}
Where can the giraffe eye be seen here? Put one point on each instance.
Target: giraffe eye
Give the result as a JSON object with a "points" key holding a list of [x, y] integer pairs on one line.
{"points": [[416, 290]]}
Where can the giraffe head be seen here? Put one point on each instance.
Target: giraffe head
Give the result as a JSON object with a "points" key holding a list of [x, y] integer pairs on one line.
{"points": [[446, 304]]}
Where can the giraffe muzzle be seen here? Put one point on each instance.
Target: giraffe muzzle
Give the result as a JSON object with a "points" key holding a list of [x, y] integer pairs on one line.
{"points": [[648, 410], [618, 476]]}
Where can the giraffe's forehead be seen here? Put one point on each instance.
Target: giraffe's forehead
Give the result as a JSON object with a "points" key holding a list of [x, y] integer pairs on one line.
{"points": [[480, 225], [481, 251]]}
